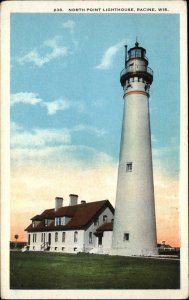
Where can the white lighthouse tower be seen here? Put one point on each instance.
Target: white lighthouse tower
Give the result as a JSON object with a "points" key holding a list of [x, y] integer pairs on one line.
{"points": [[134, 231]]}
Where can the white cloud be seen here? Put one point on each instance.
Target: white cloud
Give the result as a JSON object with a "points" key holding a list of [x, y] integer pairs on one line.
{"points": [[91, 129], [39, 138], [52, 147], [57, 105], [38, 59], [107, 58], [33, 57], [52, 142], [51, 106], [25, 97], [69, 25]]}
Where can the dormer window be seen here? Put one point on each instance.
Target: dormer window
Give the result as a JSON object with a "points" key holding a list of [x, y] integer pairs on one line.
{"points": [[58, 221], [46, 222], [33, 224], [65, 220]]}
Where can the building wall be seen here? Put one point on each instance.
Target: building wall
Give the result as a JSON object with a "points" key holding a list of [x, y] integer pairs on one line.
{"points": [[107, 242], [69, 245], [93, 228], [59, 246]]}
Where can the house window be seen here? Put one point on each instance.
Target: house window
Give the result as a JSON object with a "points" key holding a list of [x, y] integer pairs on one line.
{"points": [[33, 224], [34, 237], [63, 237], [96, 222], [90, 238], [56, 237], [46, 222], [75, 236], [129, 167], [104, 219], [126, 236], [28, 239], [43, 237], [63, 248], [112, 220]]}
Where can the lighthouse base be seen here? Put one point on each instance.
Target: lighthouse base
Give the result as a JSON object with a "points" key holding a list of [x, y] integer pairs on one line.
{"points": [[133, 252]]}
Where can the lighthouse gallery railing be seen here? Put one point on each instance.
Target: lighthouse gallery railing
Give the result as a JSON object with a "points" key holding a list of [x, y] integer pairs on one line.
{"points": [[135, 69]]}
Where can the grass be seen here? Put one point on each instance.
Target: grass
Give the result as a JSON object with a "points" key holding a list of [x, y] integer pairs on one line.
{"points": [[36, 270]]}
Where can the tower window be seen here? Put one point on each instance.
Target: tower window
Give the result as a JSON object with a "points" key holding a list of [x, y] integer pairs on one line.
{"points": [[126, 236], [129, 167]]}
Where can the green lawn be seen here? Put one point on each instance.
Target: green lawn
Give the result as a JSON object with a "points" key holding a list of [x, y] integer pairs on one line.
{"points": [[34, 270]]}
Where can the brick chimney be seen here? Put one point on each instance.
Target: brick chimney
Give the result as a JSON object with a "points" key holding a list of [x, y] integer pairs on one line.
{"points": [[73, 199], [58, 203]]}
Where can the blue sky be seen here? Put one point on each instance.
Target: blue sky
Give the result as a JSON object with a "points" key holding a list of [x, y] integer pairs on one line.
{"points": [[65, 81], [66, 109]]}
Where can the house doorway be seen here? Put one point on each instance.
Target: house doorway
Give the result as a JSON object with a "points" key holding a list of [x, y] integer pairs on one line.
{"points": [[100, 240], [49, 239], [29, 239]]}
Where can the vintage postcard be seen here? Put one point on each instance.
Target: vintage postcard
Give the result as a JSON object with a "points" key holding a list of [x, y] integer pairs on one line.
{"points": [[94, 150]]}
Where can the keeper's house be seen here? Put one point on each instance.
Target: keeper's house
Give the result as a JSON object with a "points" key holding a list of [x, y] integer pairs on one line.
{"points": [[84, 227]]}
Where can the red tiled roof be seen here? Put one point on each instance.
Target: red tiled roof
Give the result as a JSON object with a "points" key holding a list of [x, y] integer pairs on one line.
{"points": [[48, 214], [37, 218], [105, 227], [80, 214]]}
